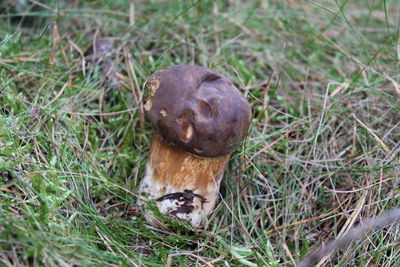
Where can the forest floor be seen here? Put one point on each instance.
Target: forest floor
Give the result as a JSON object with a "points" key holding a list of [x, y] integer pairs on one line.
{"points": [[321, 155]]}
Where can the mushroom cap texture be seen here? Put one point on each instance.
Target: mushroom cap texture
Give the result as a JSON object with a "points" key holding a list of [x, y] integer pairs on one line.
{"points": [[197, 109]]}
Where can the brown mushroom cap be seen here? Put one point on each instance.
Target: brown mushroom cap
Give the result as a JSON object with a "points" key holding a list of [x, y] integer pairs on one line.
{"points": [[197, 109]]}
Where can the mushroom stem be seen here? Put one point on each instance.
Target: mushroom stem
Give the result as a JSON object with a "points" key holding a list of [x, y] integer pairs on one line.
{"points": [[185, 186]]}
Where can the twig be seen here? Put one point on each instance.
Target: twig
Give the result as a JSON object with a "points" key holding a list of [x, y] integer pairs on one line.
{"points": [[361, 230]]}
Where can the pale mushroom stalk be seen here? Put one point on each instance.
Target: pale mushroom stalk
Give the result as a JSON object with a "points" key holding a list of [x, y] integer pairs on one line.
{"points": [[200, 119], [185, 186]]}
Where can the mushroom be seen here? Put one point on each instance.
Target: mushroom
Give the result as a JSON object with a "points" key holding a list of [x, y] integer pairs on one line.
{"points": [[200, 118]]}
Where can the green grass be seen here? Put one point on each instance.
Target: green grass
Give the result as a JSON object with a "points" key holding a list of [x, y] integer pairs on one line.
{"points": [[321, 77]]}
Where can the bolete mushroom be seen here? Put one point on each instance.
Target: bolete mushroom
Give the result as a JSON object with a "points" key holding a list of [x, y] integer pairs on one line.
{"points": [[200, 118]]}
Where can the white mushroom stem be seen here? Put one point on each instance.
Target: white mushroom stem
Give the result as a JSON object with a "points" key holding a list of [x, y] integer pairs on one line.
{"points": [[184, 186]]}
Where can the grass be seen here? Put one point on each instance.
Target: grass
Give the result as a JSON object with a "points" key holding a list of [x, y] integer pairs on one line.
{"points": [[322, 151]]}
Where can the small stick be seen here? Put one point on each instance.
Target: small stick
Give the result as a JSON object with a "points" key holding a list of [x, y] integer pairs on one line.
{"points": [[392, 216]]}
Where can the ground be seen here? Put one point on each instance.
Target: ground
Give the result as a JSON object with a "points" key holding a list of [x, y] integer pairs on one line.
{"points": [[321, 154]]}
